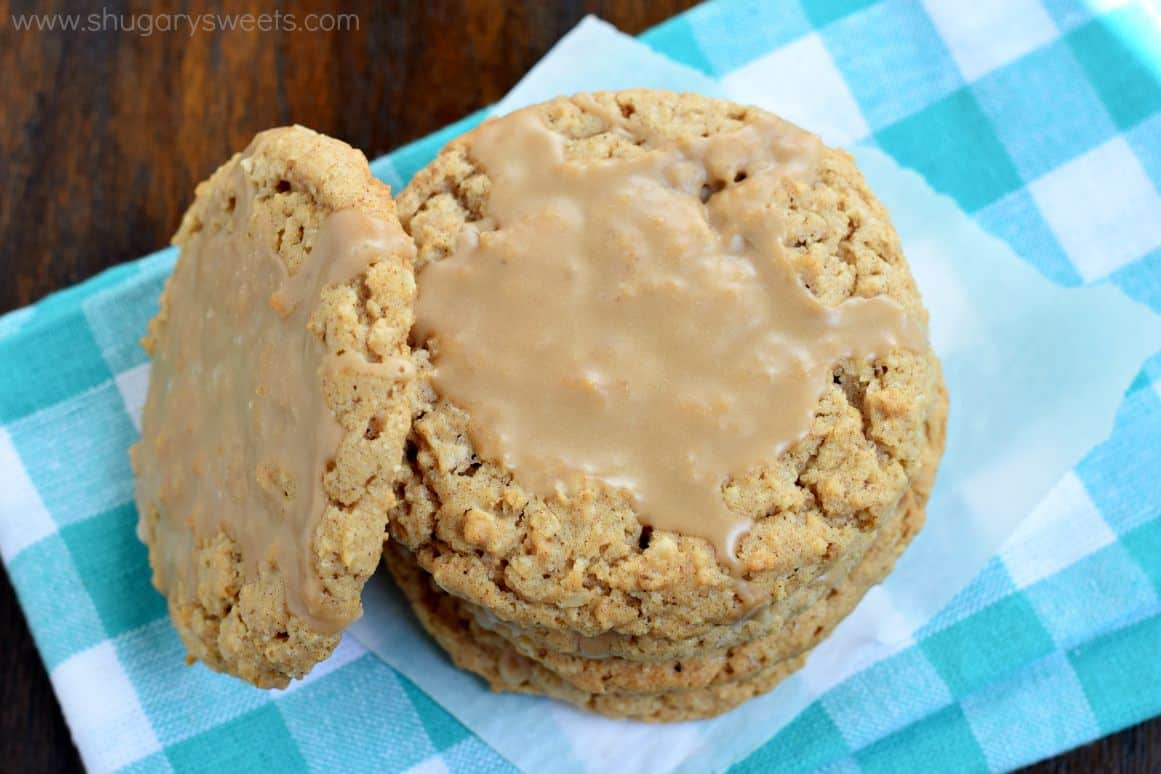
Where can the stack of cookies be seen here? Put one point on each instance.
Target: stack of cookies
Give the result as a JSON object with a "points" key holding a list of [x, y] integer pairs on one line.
{"points": [[636, 384], [581, 589]]}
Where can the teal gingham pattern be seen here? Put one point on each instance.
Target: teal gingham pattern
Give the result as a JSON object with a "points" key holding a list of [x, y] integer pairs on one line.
{"points": [[1041, 118]]}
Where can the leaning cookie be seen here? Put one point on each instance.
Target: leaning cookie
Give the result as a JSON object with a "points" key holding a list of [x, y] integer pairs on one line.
{"points": [[574, 554], [278, 404]]}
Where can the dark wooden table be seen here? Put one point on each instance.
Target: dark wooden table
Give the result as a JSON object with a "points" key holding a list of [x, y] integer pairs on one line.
{"points": [[103, 136]]}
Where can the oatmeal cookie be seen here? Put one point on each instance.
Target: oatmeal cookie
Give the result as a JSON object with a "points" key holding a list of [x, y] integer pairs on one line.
{"points": [[279, 400], [586, 559]]}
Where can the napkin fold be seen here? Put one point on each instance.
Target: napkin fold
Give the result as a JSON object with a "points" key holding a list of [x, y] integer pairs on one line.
{"points": [[1059, 114]]}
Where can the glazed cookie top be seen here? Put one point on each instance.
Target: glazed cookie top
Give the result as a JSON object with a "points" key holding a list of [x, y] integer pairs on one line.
{"points": [[278, 404], [641, 304]]}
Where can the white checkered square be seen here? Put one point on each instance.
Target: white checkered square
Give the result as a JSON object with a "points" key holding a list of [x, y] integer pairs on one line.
{"points": [[878, 686], [101, 706], [985, 34], [433, 765], [1066, 527], [1102, 207], [133, 386], [348, 650], [23, 517], [1013, 724], [801, 83]]}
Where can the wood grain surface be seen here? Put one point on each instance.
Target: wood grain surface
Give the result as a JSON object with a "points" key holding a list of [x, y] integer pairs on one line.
{"points": [[103, 135]]}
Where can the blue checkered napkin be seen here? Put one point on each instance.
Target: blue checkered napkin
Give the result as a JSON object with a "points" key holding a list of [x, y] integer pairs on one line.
{"points": [[1042, 120]]}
